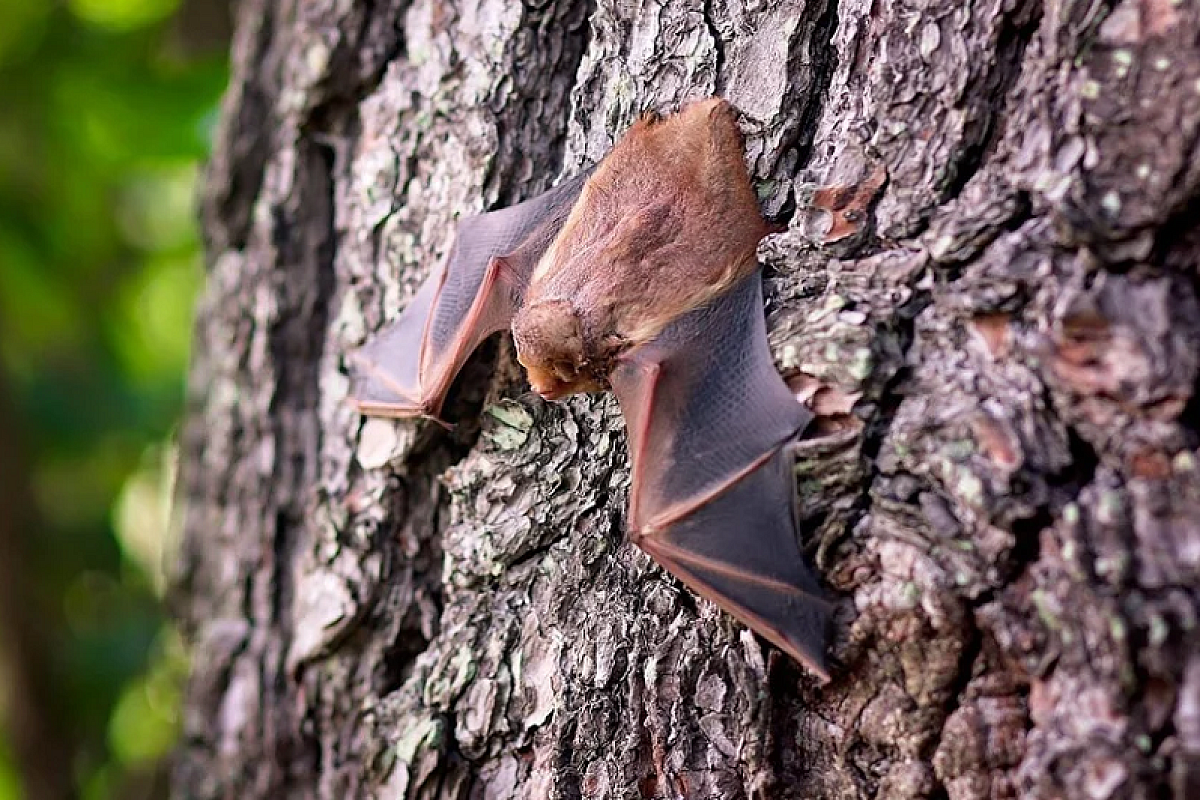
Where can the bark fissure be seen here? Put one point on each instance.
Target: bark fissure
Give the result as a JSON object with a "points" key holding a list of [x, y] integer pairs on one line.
{"points": [[718, 47], [992, 91]]}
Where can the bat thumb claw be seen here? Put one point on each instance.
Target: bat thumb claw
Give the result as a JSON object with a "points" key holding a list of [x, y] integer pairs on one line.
{"points": [[448, 426]]}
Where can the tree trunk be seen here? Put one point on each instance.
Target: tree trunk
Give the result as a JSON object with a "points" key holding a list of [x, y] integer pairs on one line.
{"points": [[992, 255]]}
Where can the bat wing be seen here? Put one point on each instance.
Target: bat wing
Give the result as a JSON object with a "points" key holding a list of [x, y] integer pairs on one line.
{"points": [[712, 496], [407, 369]]}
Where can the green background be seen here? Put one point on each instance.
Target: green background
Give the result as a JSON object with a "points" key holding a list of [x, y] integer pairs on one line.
{"points": [[107, 109]]}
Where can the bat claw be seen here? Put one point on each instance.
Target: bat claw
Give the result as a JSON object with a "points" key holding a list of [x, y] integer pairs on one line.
{"points": [[441, 423]]}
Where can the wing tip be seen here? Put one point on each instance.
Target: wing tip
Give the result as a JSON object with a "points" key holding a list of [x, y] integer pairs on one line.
{"points": [[363, 369], [802, 636], [805, 643], [400, 411], [392, 410], [811, 658]]}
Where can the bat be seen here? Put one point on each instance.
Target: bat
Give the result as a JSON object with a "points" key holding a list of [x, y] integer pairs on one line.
{"points": [[640, 277]]}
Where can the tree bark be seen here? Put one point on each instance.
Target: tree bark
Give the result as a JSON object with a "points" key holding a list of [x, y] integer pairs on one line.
{"points": [[992, 259]]}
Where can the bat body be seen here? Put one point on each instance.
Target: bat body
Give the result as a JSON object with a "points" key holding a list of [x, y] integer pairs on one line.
{"points": [[641, 278]]}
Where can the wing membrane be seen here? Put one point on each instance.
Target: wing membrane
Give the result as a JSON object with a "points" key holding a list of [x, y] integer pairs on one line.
{"points": [[712, 498], [408, 367]]}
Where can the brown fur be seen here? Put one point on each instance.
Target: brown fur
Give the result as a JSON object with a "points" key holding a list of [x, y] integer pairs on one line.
{"points": [[668, 221]]}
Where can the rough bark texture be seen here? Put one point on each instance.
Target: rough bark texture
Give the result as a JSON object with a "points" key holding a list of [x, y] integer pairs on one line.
{"points": [[993, 252]]}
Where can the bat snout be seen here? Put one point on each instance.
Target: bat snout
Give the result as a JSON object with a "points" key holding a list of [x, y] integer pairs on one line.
{"points": [[545, 382], [554, 384], [556, 380], [551, 393]]}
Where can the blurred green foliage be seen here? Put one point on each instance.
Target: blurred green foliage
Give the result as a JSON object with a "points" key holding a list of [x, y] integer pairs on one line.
{"points": [[105, 114]]}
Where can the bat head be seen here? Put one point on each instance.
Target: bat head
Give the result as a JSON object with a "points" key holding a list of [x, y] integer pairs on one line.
{"points": [[552, 347]]}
